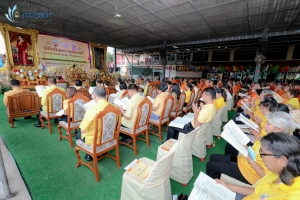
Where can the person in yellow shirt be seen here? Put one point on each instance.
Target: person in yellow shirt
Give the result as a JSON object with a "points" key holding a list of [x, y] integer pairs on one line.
{"points": [[129, 116], [281, 155], [244, 169], [188, 94], [87, 126], [159, 102], [206, 114], [52, 85], [16, 89], [219, 102], [70, 92], [292, 98]]}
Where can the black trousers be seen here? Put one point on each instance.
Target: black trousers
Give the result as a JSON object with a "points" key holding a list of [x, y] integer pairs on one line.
{"points": [[173, 132], [220, 164]]}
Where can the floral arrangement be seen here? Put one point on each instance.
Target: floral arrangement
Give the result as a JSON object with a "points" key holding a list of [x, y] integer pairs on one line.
{"points": [[4, 80], [50, 71], [72, 68]]}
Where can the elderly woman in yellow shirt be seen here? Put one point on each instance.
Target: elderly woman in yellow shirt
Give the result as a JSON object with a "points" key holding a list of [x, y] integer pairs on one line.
{"points": [[281, 155], [221, 95], [248, 170]]}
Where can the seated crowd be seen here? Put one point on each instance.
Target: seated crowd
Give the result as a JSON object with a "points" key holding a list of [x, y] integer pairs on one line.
{"points": [[273, 171]]}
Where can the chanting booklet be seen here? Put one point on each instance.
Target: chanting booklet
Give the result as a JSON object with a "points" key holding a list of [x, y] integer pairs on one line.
{"points": [[248, 122], [40, 88], [179, 122], [87, 105], [139, 169], [120, 103], [236, 137], [244, 106], [206, 188], [168, 144]]}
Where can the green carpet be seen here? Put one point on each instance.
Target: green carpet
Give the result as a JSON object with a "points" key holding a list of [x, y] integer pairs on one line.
{"points": [[48, 165]]}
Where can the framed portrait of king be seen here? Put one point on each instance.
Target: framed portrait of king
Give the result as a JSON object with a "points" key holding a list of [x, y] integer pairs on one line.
{"points": [[20, 46], [99, 56]]}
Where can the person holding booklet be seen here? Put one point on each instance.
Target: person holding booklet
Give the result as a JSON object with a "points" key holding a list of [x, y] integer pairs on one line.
{"points": [[70, 92], [206, 114], [249, 170], [130, 114], [159, 101], [87, 126], [123, 88], [280, 153], [52, 85]]}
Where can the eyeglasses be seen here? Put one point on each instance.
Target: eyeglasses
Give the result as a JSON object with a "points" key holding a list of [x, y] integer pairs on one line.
{"points": [[265, 154]]}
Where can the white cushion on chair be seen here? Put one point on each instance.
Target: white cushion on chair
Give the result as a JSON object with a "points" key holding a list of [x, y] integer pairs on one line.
{"points": [[44, 114], [99, 148], [184, 108], [157, 120], [129, 130], [65, 124]]}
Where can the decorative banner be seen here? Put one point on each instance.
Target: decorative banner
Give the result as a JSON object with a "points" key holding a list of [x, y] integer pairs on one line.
{"points": [[188, 74], [63, 52]]}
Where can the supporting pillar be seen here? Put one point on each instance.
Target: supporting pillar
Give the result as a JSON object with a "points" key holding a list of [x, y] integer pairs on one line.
{"points": [[257, 72]]}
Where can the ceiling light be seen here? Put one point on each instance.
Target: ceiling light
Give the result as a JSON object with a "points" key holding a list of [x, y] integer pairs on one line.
{"points": [[199, 49], [187, 49], [225, 47], [18, 27], [117, 15], [175, 47], [219, 47]]}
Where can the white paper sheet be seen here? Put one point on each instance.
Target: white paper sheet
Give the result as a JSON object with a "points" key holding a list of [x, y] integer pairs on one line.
{"points": [[179, 122], [248, 122], [206, 188]]}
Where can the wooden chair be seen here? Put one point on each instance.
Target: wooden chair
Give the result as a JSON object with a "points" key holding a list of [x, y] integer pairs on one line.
{"points": [[153, 92], [149, 90], [62, 85], [23, 104], [140, 125], [124, 94], [189, 104], [164, 117], [178, 111], [54, 100], [84, 92], [75, 116], [107, 127]]}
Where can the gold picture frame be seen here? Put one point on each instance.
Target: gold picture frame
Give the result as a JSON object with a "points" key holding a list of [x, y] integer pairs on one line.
{"points": [[6, 30], [104, 48]]}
